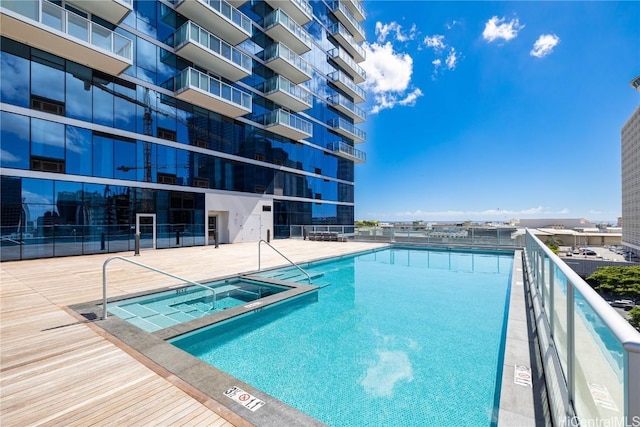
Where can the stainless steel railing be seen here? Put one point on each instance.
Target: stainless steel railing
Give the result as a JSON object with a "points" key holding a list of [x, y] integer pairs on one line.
{"points": [[283, 256], [148, 267]]}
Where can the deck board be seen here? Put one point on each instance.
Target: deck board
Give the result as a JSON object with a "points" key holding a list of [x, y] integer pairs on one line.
{"points": [[58, 369]]}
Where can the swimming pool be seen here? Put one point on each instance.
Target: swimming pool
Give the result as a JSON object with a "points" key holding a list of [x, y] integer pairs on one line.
{"points": [[399, 336]]}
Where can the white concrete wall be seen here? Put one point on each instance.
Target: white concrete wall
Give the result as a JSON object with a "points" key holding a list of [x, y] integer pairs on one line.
{"points": [[240, 217]]}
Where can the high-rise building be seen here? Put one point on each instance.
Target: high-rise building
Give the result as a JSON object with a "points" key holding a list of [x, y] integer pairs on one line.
{"points": [[630, 137], [189, 122]]}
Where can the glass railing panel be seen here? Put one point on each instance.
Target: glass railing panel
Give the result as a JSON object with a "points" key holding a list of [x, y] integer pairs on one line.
{"points": [[599, 365], [279, 83], [304, 6], [27, 8], [559, 314], [278, 50], [231, 13], [278, 16], [356, 5], [338, 5], [194, 78], [73, 25], [343, 124], [339, 53], [193, 32], [338, 99], [341, 77], [338, 28], [285, 118]]}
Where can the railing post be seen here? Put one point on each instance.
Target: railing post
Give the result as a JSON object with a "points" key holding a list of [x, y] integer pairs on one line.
{"points": [[571, 347]]}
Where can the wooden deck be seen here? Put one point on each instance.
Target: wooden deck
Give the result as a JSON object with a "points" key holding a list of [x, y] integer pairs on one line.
{"points": [[57, 368]]}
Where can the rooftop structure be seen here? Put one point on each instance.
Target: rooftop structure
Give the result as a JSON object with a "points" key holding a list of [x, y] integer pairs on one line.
{"points": [[630, 159]]}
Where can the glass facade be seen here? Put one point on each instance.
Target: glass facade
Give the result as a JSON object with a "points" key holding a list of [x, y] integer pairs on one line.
{"points": [[85, 151]]}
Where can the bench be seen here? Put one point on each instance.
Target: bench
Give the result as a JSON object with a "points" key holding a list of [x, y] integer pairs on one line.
{"points": [[326, 236]]}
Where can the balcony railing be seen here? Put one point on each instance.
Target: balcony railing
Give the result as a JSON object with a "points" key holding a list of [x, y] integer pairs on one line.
{"points": [[232, 25], [341, 80], [111, 10], [342, 34], [356, 8], [287, 94], [214, 53], [294, 36], [346, 151], [286, 62], [347, 107], [597, 350], [340, 57], [74, 37], [300, 10], [347, 129], [346, 17], [208, 92], [286, 124]]}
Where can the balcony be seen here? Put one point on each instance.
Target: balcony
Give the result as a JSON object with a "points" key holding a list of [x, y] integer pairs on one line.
{"points": [[280, 27], [286, 62], [345, 128], [203, 48], [46, 26], [284, 93], [348, 108], [342, 81], [340, 33], [342, 58], [355, 7], [346, 151], [345, 16], [288, 125], [111, 10], [236, 3], [299, 10], [218, 17], [207, 92]]}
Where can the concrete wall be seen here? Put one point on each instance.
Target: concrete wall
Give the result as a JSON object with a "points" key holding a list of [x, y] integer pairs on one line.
{"points": [[241, 218], [585, 267]]}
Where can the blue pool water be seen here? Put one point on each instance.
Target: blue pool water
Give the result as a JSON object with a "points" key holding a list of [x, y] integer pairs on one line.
{"points": [[165, 309], [399, 337]]}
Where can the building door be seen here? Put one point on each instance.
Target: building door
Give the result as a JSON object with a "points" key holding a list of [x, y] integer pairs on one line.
{"points": [[146, 227], [213, 230]]}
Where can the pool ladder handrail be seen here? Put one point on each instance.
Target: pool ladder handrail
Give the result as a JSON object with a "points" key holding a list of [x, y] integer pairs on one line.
{"points": [[148, 267], [283, 256]]}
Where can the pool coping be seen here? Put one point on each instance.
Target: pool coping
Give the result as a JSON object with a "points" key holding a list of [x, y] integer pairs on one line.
{"points": [[518, 405]]}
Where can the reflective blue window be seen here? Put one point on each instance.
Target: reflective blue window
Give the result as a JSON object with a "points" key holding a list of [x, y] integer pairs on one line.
{"points": [[47, 139], [15, 141], [102, 156], [78, 151], [14, 68], [78, 90], [47, 76]]}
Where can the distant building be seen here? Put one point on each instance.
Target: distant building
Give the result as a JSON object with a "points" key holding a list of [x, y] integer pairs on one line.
{"points": [[561, 223], [630, 142]]}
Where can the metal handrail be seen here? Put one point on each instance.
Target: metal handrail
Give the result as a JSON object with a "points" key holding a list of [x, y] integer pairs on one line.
{"points": [[283, 256], [104, 280]]}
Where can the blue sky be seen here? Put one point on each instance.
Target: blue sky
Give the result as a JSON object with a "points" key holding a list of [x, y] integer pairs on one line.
{"points": [[489, 111]]}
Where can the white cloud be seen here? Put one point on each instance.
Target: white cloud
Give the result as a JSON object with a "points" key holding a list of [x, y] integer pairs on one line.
{"points": [[395, 29], [389, 77], [544, 45], [435, 41], [452, 59], [497, 28], [410, 99], [452, 24]]}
